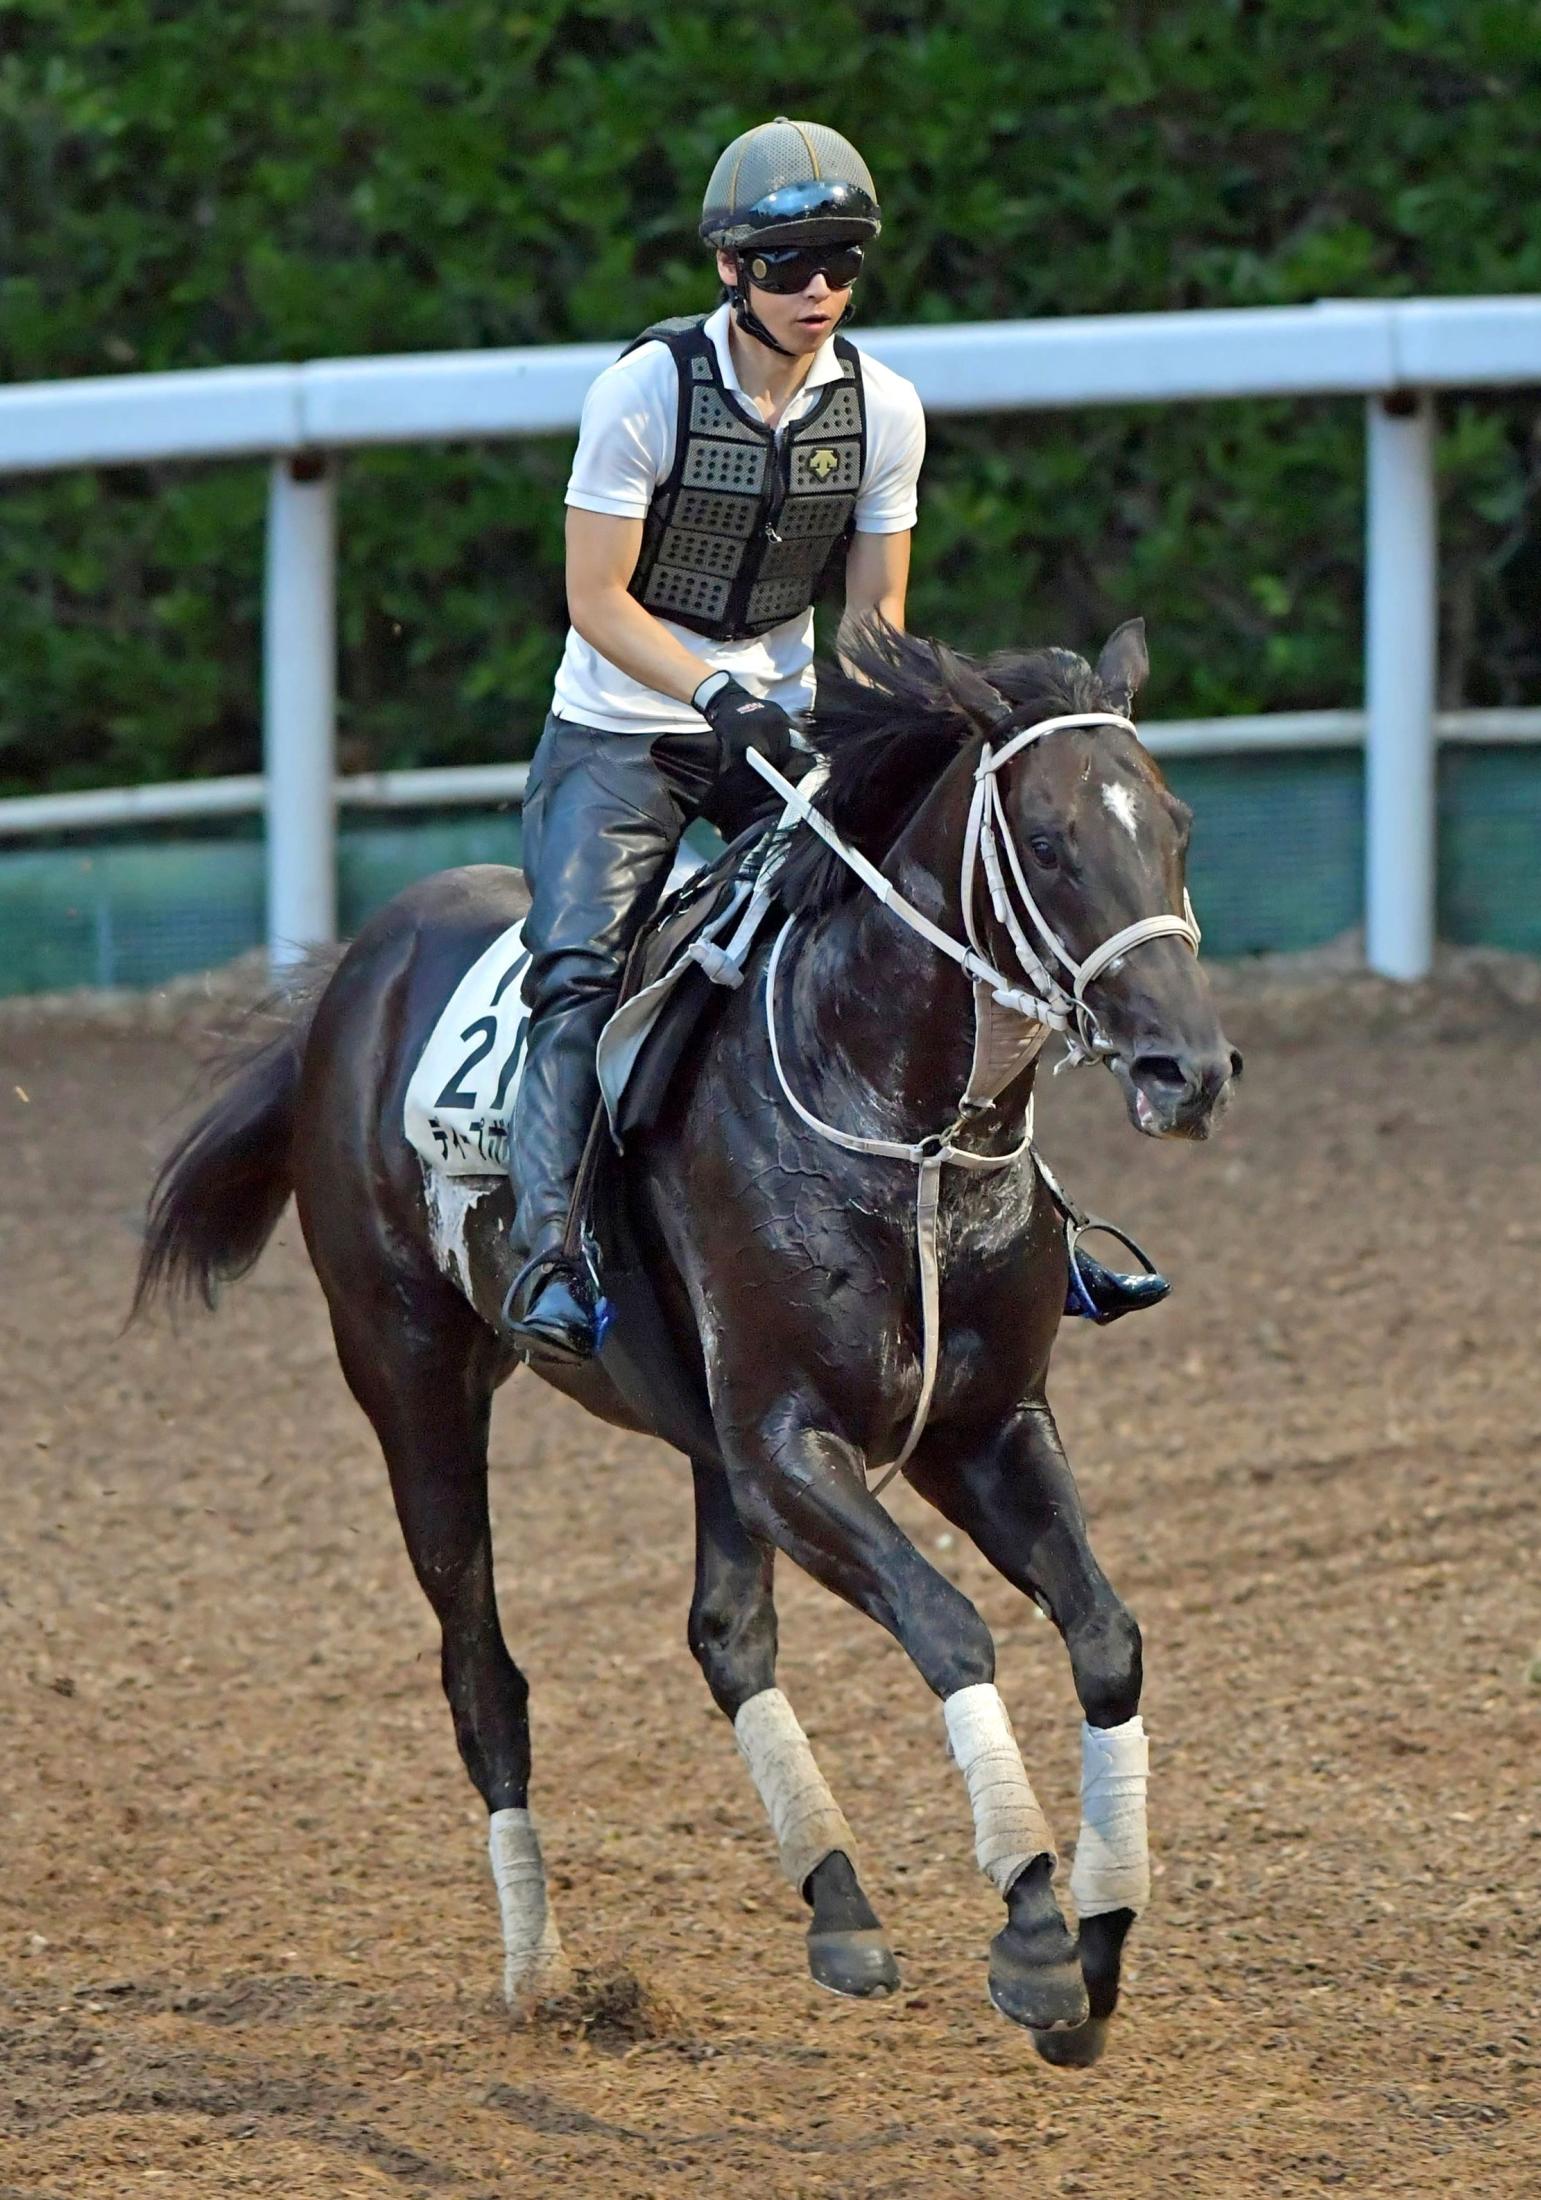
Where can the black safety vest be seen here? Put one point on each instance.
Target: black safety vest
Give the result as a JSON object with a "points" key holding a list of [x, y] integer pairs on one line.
{"points": [[744, 530]]}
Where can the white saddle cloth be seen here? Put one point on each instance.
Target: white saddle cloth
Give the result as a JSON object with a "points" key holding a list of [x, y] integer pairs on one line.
{"points": [[466, 1082], [465, 1087]]}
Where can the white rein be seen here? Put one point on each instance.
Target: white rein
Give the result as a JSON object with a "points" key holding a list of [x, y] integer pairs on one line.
{"points": [[1045, 1000]]}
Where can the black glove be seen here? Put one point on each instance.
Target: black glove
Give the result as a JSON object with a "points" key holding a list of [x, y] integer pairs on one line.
{"points": [[742, 721]]}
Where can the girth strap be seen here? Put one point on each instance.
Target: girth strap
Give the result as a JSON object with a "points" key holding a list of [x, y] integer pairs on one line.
{"points": [[928, 1202]]}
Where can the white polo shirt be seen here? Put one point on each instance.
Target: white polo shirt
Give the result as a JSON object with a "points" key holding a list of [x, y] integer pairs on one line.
{"points": [[626, 449]]}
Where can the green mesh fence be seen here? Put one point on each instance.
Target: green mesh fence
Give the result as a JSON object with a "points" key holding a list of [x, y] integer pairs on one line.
{"points": [[133, 911], [1277, 859], [1277, 863], [1489, 877]]}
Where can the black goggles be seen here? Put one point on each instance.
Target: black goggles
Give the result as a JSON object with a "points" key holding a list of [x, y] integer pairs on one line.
{"points": [[789, 268]]}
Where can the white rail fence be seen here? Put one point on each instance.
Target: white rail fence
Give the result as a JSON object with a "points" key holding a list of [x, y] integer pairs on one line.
{"points": [[1395, 355]]}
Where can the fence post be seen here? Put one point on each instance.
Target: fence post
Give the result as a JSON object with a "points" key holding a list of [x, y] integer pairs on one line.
{"points": [[299, 699], [1401, 654]]}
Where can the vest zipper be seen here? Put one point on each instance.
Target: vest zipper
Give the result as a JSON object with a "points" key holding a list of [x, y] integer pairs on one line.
{"points": [[781, 485]]}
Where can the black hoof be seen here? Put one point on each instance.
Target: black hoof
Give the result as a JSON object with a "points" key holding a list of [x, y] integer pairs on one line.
{"points": [[1045, 1996], [858, 1963], [1076, 2049]]}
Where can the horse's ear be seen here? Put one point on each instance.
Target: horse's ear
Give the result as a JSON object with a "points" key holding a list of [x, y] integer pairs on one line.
{"points": [[982, 705], [1123, 665]]}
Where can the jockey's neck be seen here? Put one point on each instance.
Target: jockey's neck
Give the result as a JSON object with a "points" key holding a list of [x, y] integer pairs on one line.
{"points": [[769, 381]]}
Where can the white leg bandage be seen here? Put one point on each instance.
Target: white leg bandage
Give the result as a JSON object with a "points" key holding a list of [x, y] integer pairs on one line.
{"points": [[1009, 1826], [532, 1949], [1112, 1859], [807, 1821]]}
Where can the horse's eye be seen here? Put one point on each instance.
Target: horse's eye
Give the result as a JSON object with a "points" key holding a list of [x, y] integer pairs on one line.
{"points": [[1044, 851]]}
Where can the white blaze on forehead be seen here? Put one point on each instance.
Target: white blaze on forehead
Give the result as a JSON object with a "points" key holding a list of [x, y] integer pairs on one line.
{"points": [[1121, 802]]}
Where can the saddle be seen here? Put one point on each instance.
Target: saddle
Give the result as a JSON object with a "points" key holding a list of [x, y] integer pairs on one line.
{"points": [[684, 963], [693, 949]]}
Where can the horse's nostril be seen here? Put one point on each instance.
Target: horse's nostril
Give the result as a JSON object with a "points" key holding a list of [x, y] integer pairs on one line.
{"points": [[1159, 1069], [1237, 1064]]}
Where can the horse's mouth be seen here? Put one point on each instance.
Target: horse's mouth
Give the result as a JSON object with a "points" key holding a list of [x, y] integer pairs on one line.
{"points": [[1170, 1096]]}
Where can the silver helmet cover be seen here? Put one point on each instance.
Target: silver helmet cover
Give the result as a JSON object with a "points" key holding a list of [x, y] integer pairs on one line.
{"points": [[796, 182]]}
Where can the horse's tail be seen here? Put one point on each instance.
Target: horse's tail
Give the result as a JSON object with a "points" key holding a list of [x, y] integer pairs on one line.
{"points": [[219, 1193]]}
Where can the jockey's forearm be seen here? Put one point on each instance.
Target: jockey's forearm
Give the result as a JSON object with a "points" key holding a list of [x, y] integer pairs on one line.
{"points": [[613, 622]]}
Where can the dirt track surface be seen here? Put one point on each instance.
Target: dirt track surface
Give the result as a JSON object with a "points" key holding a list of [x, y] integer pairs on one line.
{"points": [[250, 1943]]}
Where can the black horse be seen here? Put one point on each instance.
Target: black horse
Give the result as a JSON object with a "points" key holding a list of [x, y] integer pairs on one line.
{"points": [[782, 1270]]}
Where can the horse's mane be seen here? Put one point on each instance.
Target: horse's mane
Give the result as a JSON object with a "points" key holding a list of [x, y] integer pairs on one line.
{"points": [[890, 719]]}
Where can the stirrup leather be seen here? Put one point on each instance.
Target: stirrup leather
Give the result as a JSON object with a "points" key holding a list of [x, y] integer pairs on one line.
{"points": [[1100, 1294]]}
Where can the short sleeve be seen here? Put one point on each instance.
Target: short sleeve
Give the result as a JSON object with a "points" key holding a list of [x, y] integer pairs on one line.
{"points": [[888, 500], [625, 435]]}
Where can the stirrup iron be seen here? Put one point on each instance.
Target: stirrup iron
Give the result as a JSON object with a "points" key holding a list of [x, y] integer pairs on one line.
{"points": [[1099, 1294], [554, 1264], [1104, 1295]]}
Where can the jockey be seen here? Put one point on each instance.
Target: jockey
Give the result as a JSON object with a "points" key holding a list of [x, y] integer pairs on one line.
{"points": [[725, 465]]}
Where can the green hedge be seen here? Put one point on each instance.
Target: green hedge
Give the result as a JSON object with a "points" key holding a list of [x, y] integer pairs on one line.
{"points": [[189, 183]]}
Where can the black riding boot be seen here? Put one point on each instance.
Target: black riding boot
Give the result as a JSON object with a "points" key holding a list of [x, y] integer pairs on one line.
{"points": [[602, 819], [1105, 1295], [553, 1308]]}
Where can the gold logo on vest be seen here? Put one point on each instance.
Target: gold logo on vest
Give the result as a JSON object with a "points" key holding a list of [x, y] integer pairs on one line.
{"points": [[822, 464]]}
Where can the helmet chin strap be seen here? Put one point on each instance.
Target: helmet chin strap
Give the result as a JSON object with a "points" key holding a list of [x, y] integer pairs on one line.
{"points": [[749, 321]]}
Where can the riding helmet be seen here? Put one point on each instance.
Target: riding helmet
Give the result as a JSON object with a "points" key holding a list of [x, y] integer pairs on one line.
{"points": [[794, 182]]}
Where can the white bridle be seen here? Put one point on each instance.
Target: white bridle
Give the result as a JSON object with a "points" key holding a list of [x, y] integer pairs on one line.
{"points": [[1050, 1004], [986, 838], [989, 834]]}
